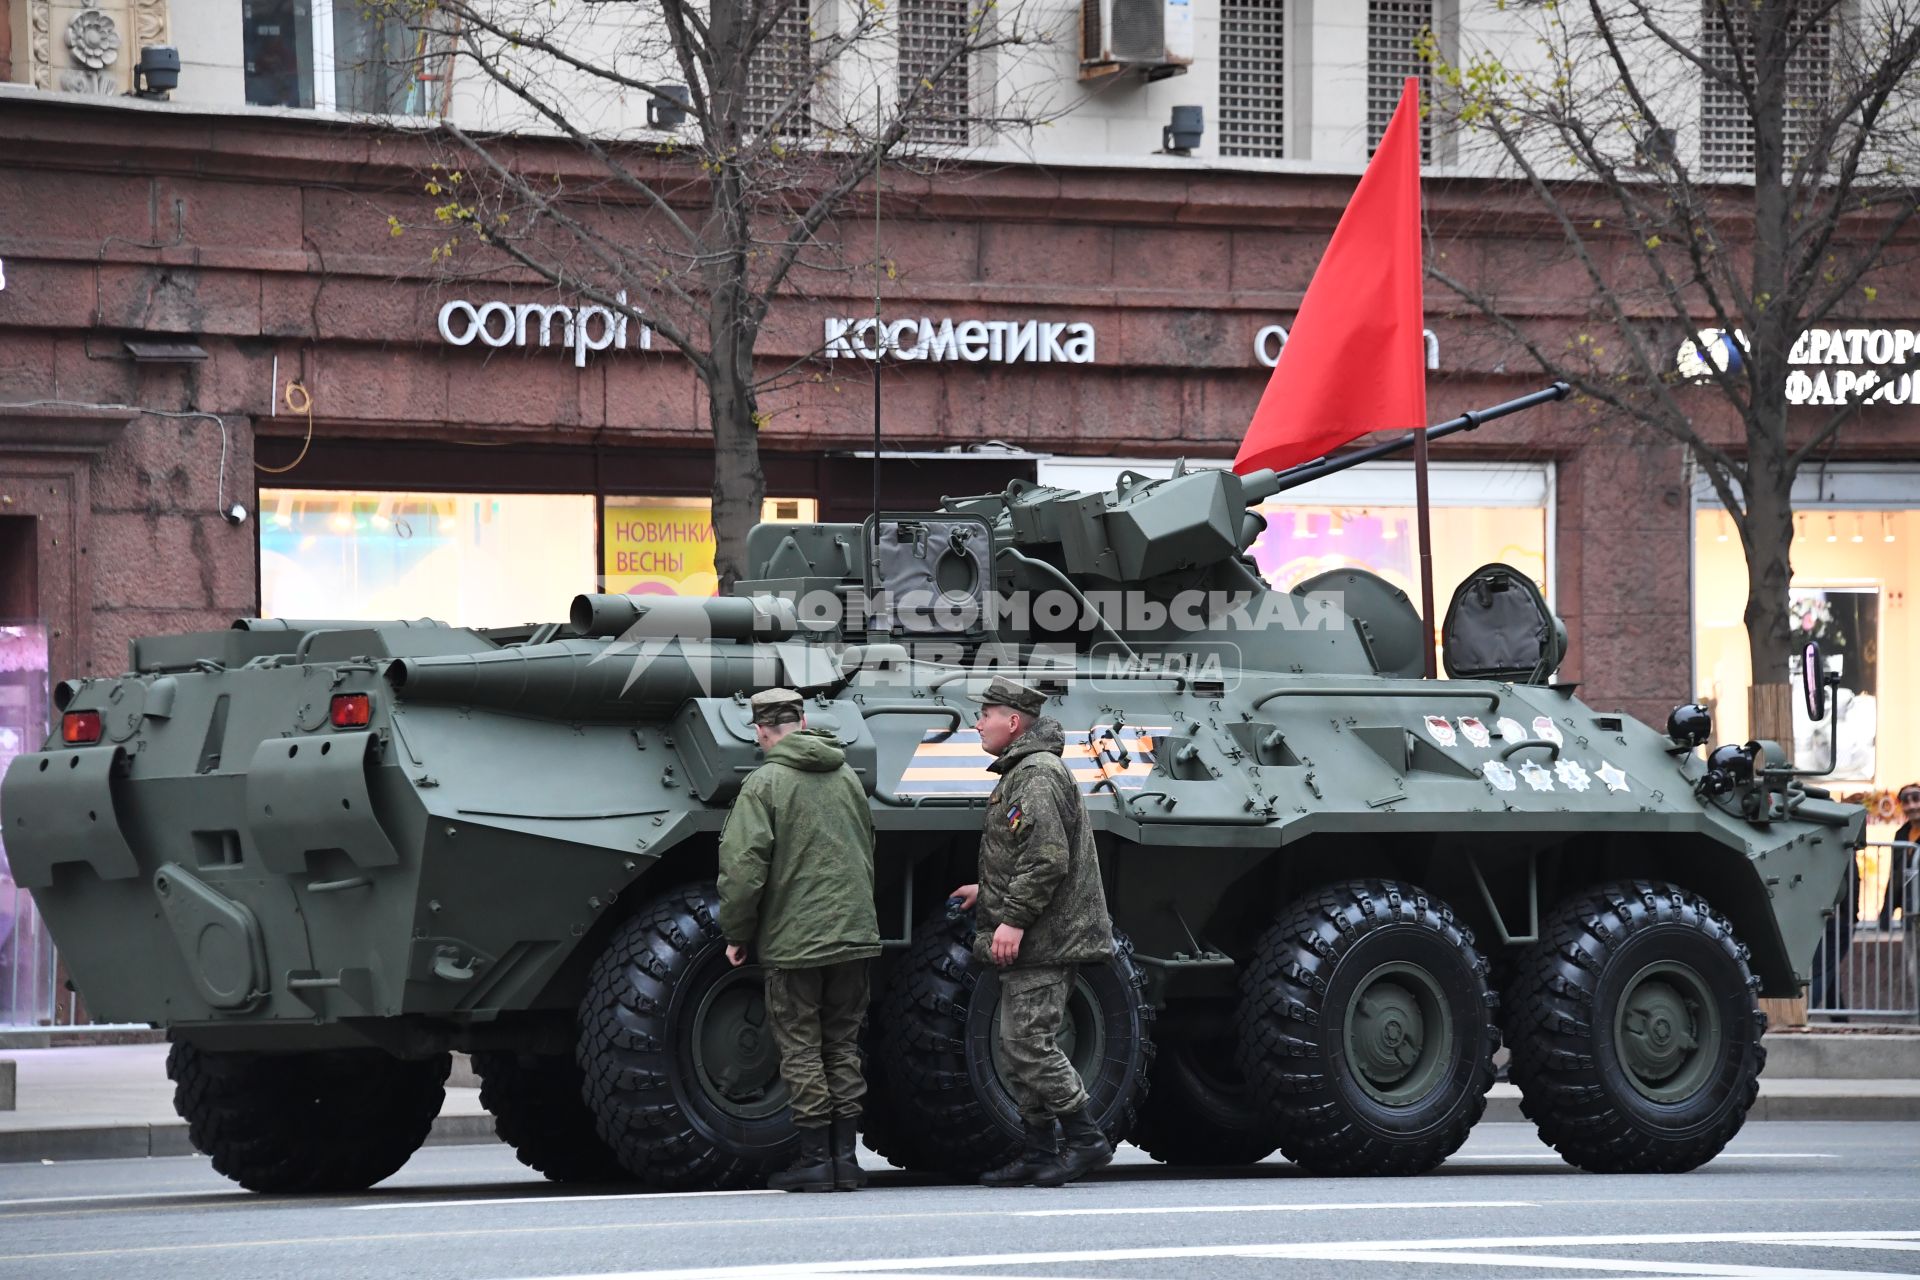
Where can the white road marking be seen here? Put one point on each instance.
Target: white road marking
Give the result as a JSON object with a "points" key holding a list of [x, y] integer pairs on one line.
{"points": [[1129, 1211], [1357, 1250], [491, 1200], [1730, 1270], [216, 1192]]}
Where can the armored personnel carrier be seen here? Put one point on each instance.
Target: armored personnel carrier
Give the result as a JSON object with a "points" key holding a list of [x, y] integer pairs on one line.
{"points": [[326, 854]]}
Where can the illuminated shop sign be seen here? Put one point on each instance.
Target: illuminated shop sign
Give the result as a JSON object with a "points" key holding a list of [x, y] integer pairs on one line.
{"points": [[1832, 366], [971, 341], [1269, 341], [521, 324]]}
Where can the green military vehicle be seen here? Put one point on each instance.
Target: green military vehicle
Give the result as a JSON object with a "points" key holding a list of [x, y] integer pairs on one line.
{"points": [[324, 855]]}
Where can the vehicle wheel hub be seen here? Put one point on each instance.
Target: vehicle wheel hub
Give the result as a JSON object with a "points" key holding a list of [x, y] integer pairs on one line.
{"points": [[1399, 1034], [1667, 1032], [736, 1061]]}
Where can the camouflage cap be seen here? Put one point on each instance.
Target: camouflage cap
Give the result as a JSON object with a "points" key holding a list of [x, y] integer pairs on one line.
{"points": [[776, 706], [1002, 692]]}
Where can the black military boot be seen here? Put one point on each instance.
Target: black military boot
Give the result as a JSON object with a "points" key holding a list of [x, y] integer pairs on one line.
{"points": [[1085, 1150], [847, 1173], [1038, 1153], [813, 1170]]}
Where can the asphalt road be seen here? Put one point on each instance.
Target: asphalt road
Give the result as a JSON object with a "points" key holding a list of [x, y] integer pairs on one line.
{"points": [[1785, 1200]]}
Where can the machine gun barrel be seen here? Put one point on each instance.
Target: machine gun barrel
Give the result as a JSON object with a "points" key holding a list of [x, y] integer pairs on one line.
{"points": [[1256, 485]]}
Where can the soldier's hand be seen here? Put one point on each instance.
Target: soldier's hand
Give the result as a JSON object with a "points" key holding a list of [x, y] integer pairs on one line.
{"points": [[1006, 944], [736, 956], [968, 895]]}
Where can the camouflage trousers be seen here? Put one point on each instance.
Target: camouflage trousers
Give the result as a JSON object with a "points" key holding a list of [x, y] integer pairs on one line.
{"points": [[815, 1015], [1033, 1005]]}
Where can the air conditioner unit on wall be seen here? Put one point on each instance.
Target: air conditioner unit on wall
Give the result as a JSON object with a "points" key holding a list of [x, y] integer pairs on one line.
{"points": [[1153, 38]]}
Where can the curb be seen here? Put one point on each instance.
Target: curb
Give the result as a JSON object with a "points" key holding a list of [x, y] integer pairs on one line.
{"points": [[1503, 1107], [138, 1141], [169, 1138], [1830, 1056]]}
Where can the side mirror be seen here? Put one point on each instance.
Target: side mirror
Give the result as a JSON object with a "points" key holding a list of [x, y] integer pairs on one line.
{"points": [[1813, 681]]}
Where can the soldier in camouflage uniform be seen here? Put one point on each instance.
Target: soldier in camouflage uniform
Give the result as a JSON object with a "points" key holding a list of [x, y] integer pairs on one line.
{"points": [[796, 886], [1041, 910]]}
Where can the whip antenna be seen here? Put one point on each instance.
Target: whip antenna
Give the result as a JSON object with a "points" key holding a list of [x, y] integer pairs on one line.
{"points": [[879, 342]]}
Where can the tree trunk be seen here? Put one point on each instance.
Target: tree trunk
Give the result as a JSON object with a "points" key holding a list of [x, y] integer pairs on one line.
{"points": [[739, 485], [1768, 538]]}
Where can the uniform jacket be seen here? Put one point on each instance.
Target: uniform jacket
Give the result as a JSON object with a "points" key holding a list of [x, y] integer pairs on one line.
{"points": [[1038, 871], [796, 859], [1901, 866]]}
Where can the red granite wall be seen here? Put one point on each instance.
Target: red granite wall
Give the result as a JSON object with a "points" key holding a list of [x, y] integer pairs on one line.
{"points": [[268, 240]]}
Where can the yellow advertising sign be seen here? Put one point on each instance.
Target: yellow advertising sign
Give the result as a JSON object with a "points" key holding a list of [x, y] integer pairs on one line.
{"points": [[664, 546], [659, 546]]}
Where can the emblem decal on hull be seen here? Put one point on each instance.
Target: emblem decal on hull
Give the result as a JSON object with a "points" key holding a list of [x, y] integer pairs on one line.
{"points": [[1442, 730], [1537, 778], [1572, 773], [1614, 776], [1543, 727], [1498, 774], [1474, 732]]}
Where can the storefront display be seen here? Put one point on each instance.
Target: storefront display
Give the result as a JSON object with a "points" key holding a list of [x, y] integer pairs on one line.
{"points": [[1854, 570], [471, 559], [27, 987]]}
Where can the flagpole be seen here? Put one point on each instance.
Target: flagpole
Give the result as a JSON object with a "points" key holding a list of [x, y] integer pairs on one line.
{"points": [[1426, 548]]}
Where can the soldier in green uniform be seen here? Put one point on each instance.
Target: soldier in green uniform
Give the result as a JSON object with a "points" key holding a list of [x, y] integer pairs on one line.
{"points": [[1041, 910], [796, 887]]}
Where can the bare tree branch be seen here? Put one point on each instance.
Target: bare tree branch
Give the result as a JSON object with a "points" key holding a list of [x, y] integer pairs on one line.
{"points": [[1591, 121], [706, 229]]}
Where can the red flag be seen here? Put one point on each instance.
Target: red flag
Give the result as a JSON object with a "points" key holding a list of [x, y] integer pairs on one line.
{"points": [[1355, 360]]}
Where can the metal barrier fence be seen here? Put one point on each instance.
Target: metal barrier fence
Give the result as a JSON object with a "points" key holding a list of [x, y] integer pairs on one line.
{"points": [[1868, 962]]}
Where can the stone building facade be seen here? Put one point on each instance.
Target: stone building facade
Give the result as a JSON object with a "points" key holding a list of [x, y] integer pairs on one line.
{"points": [[160, 260]]}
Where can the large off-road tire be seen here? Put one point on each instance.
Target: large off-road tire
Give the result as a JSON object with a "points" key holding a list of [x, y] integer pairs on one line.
{"points": [[1635, 1027], [682, 1073], [1366, 1029], [884, 1125], [538, 1111], [339, 1120], [1199, 1110], [937, 1026]]}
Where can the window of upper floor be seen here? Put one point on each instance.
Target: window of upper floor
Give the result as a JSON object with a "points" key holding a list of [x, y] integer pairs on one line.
{"points": [[341, 55], [1252, 109], [1396, 32], [1726, 118]]}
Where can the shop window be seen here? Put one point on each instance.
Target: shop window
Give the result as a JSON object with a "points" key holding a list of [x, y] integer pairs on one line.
{"points": [[1252, 78], [930, 30], [664, 546], [1395, 31], [1854, 570], [470, 559], [1302, 540], [28, 985], [341, 55]]}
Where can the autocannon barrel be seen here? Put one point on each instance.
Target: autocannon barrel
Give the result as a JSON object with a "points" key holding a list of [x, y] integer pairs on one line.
{"points": [[588, 679], [717, 618]]}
